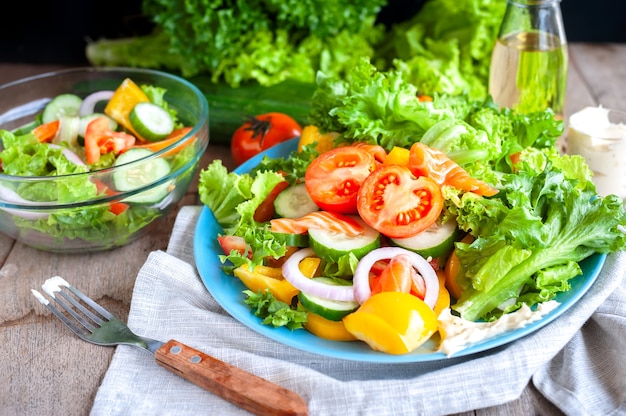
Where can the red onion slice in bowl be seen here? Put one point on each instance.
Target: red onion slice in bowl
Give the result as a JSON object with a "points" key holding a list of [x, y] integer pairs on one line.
{"points": [[71, 156], [9, 195], [89, 102]]}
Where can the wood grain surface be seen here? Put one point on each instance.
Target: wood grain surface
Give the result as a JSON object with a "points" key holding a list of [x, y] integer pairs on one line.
{"points": [[46, 370]]}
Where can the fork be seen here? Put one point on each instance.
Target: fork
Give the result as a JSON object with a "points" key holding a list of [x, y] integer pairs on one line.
{"points": [[94, 324]]}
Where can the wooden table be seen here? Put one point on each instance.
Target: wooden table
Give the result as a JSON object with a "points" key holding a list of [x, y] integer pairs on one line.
{"points": [[45, 369]]}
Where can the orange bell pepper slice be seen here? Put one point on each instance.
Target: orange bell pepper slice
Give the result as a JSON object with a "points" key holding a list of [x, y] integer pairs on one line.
{"points": [[124, 99], [46, 132], [173, 137]]}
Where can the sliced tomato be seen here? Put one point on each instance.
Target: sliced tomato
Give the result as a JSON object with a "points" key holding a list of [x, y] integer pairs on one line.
{"points": [[433, 163], [115, 207], [100, 139], [394, 202], [333, 179], [228, 243]]}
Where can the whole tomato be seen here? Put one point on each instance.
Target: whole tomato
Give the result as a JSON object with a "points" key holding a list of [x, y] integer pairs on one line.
{"points": [[260, 133]]}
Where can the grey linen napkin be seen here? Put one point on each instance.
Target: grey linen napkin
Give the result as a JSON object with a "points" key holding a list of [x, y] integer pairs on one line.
{"points": [[578, 361]]}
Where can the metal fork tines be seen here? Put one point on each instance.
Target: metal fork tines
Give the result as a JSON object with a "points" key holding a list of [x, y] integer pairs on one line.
{"points": [[91, 321]]}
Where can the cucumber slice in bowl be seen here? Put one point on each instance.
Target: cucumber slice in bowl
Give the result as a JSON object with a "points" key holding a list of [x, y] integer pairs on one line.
{"points": [[151, 121], [141, 175], [61, 105], [294, 202], [333, 310], [331, 246], [436, 242]]}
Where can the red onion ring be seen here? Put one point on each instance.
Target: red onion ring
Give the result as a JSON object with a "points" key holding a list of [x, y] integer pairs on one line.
{"points": [[361, 281], [291, 271], [69, 155], [89, 103], [9, 195]]}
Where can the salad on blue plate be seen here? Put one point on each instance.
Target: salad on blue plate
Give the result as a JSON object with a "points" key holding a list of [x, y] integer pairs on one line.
{"points": [[425, 215]]}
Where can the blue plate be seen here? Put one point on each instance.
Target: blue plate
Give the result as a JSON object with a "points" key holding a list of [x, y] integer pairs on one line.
{"points": [[227, 290]]}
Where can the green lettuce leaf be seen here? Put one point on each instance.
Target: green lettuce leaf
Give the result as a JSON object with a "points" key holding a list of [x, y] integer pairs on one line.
{"points": [[233, 198], [531, 235]]}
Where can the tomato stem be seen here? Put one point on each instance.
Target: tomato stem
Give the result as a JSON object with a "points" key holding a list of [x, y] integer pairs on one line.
{"points": [[259, 128]]}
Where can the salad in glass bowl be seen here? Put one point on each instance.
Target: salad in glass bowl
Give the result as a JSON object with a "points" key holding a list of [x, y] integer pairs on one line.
{"points": [[92, 158]]}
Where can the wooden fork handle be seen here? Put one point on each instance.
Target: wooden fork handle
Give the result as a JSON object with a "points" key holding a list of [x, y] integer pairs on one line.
{"points": [[239, 387]]}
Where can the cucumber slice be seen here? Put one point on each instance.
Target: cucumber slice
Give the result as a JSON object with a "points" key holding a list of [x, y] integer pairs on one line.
{"points": [[142, 175], [26, 128], [437, 241], [84, 120], [331, 246], [333, 310], [152, 122], [296, 240], [61, 105], [294, 202]]}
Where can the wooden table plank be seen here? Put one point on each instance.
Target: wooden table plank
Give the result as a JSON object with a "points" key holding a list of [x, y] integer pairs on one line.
{"points": [[47, 370]]}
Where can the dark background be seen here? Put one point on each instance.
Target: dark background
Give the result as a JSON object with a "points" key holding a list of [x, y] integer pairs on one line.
{"points": [[56, 31]]}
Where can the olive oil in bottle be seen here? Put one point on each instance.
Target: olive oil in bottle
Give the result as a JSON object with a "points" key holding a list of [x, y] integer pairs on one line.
{"points": [[529, 63]]}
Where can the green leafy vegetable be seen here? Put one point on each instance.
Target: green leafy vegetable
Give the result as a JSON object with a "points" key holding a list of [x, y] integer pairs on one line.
{"points": [[531, 236], [233, 199], [274, 312], [381, 107], [263, 40], [446, 47]]}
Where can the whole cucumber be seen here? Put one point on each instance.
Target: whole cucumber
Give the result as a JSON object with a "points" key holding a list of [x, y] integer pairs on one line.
{"points": [[228, 106]]}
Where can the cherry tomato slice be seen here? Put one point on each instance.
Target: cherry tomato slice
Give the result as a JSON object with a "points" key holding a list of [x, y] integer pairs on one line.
{"points": [[333, 179], [394, 202]]}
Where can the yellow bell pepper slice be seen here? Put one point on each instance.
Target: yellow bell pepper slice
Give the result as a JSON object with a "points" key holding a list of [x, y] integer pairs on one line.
{"points": [[392, 322], [398, 156], [312, 134], [267, 278], [443, 300], [309, 265], [124, 99], [327, 329]]}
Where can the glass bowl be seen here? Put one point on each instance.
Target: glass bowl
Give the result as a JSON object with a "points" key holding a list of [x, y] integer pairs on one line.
{"points": [[86, 212]]}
